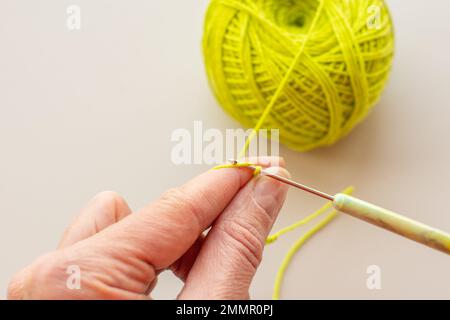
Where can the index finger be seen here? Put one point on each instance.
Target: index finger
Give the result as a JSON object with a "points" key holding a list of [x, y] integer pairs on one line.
{"points": [[163, 231]]}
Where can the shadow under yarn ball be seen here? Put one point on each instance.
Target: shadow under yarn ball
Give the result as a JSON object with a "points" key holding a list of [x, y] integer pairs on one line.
{"points": [[315, 66]]}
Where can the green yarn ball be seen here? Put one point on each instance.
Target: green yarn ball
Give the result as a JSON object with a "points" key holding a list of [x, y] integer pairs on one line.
{"points": [[319, 65]]}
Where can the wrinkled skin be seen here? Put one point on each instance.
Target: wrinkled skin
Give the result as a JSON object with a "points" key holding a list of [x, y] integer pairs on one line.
{"points": [[121, 254]]}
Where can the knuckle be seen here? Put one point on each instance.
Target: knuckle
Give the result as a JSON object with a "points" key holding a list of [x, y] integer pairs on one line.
{"points": [[26, 283], [110, 197], [173, 195], [261, 213], [16, 286], [246, 240], [175, 198], [114, 202]]}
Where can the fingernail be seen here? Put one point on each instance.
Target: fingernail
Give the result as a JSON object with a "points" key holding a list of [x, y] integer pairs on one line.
{"points": [[268, 192], [266, 161]]}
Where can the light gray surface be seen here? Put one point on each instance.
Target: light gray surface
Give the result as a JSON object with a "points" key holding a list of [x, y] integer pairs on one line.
{"points": [[86, 111]]}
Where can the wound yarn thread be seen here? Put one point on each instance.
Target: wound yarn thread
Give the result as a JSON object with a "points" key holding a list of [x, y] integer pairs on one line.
{"points": [[312, 68]]}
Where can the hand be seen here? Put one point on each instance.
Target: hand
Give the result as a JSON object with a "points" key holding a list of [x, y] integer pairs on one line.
{"points": [[120, 255]]}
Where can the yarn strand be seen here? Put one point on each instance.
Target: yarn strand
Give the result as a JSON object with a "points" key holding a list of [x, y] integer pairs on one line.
{"points": [[282, 85], [302, 240], [297, 245], [253, 48]]}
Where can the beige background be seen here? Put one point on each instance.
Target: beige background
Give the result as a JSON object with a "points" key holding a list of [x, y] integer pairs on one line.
{"points": [[86, 111]]}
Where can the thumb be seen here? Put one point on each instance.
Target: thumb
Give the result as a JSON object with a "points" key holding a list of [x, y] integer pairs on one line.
{"points": [[233, 249]]}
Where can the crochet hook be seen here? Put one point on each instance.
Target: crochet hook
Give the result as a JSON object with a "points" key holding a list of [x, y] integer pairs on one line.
{"points": [[386, 219]]}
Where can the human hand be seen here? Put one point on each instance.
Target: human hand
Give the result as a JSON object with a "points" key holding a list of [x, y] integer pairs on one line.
{"points": [[121, 254]]}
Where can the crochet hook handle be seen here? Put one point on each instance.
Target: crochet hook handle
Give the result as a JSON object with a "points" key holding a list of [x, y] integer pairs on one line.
{"points": [[383, 218], [394, 222]]}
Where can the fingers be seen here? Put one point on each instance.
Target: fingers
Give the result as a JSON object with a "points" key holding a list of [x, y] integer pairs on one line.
{"points": [[124, 259], [233, 248], [65, 274], [105, 209], [47, 276], [163, 231], [182, 266]]}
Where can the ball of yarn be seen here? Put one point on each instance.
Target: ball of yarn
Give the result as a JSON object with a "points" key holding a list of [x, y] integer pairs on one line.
{"points": [[319, 65]]}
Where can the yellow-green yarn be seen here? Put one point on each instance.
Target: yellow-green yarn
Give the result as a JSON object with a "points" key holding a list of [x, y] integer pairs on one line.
{"points": [[292, 227], [256, 171], [302, 240], [312, 68]]}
